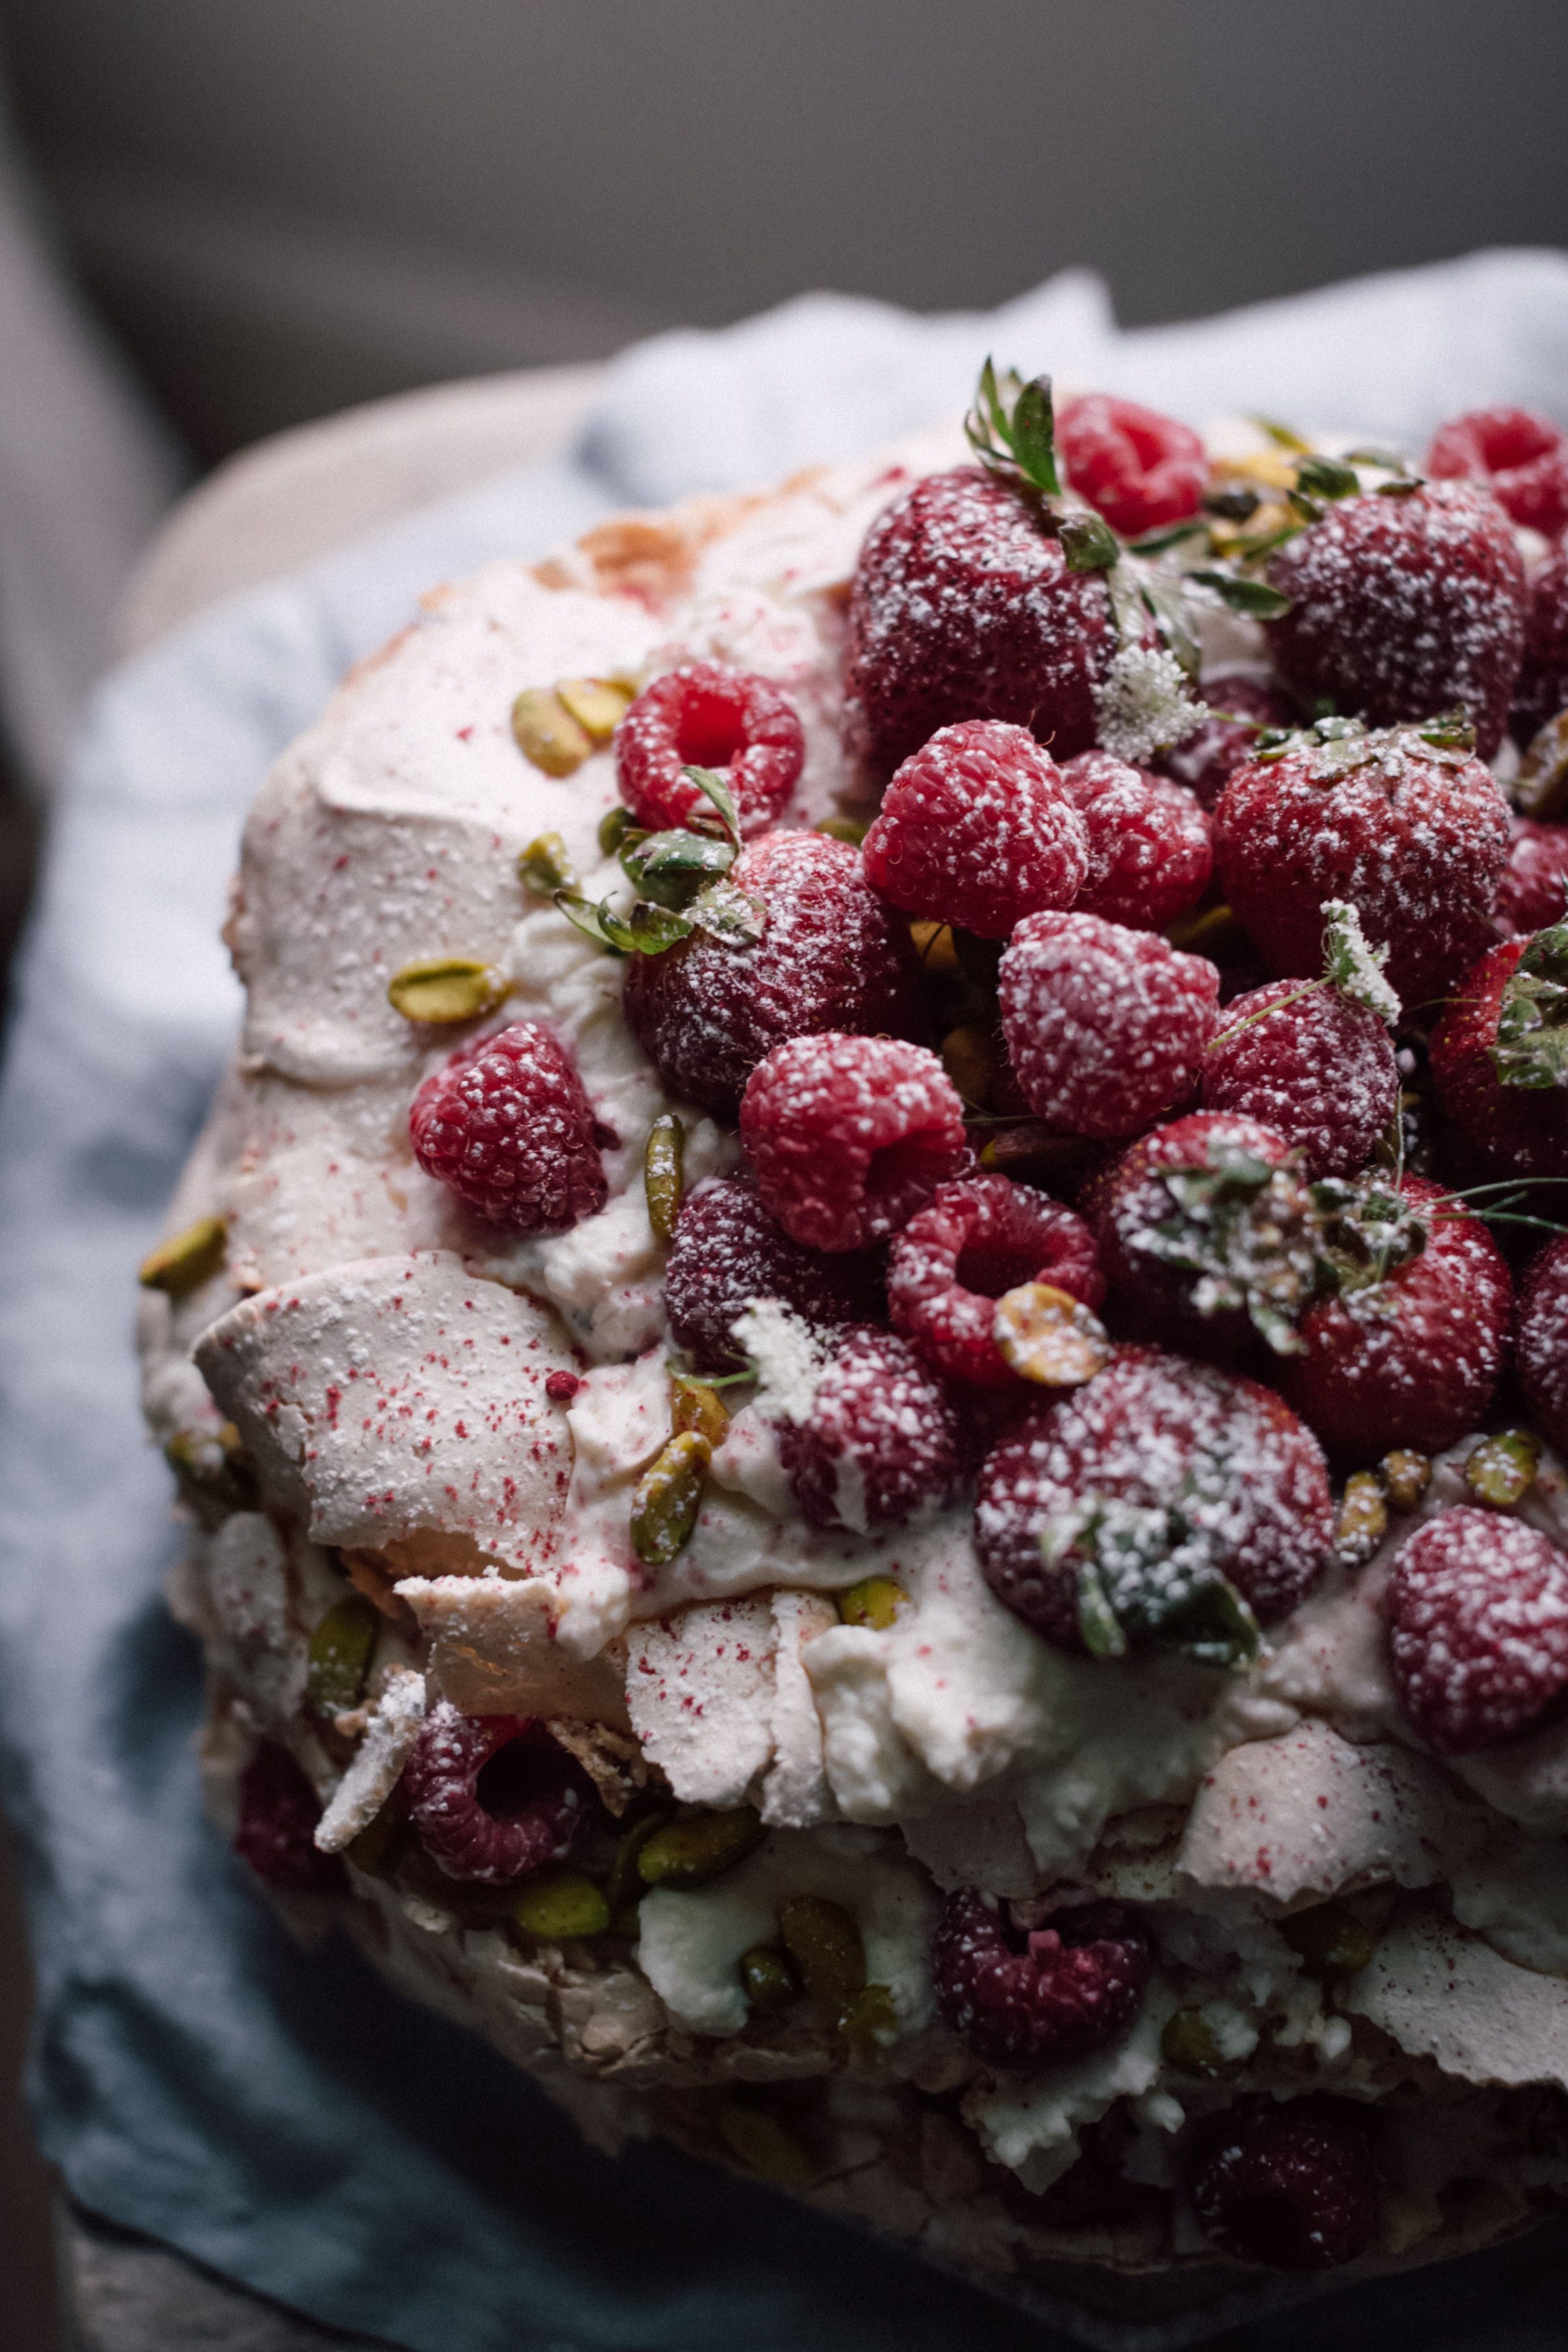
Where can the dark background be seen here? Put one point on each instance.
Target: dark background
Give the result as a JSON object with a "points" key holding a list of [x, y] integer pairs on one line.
{"points": [[287, 204]]}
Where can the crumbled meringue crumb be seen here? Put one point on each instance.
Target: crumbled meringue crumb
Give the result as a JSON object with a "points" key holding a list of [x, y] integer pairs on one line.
{"points": [[788, 1357], [1143, 706]]}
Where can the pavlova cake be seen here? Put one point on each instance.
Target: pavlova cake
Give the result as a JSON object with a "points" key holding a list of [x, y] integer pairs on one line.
{"points": [[865, 1354]]}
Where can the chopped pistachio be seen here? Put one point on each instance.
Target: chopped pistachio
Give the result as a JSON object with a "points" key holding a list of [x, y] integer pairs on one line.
{"points": [[445, 988], [1207, 932], [667, 1499], [852, 829], [664, 1175], [764, 2145], [214, 1462], [696, 1405], [546, 731], [340, 1650], [1501, 1469], [1189, 2045], [825, 1943], [191, 1258], [869, 2023], [1049, 1337], [969, 1057], [1362, 1520], [689, 1851], [596, 704], [933, 945], [875, 1602], [626, 1886], [1331, 1939], [545, 866], [768, 1977], [556, 1905], [1406, 1477]]}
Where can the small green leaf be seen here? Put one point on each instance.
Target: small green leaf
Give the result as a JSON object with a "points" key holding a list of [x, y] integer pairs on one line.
{"points": [[591, 920], [1531, 1049], [1102, 1636], [1389, 459], [648, 929], [1283, 435], [1159, 540], [1088, 544], [671, 868], [726, 915], [1452, 730], [1231, 501], [1252, 596], [1033, 439], [716, 788], [1214, 1627], [616, 827], [1326, 477]]}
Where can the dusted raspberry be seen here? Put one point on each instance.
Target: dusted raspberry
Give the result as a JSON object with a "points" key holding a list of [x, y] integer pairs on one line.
{"points": [[879, 1446], [1413, 834], [1149, 856], [979, 1239], [1317, 1068], [1542, 688], [277, 1817], [1164, 1476], [727, 1251], [1500, 1053], [1243, 708], [1520, 458], [1404, 608], [851, 1136], [1477, 1628], [1540, 1340], [1105, 1027], [832, 956], [1411, 1359], [704, 716], [1289, 2184], [1035, 1999], [963, 607], [976, 829], [1533, 892], [506, 1125], [489, 1798], [1142, 470]]}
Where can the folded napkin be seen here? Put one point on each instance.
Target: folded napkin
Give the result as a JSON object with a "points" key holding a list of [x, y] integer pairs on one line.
{"points": [[280, 2116]]}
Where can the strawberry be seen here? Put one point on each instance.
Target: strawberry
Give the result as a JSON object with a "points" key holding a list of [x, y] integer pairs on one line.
{"points": [[1499, 1056], [1542, 688]]}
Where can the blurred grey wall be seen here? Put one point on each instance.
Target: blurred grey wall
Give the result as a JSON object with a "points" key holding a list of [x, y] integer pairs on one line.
{"points": [[285, 205]]}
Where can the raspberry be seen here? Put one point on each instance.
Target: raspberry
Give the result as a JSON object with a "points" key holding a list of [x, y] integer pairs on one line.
{"points": [[727, 1251], [1067, 1987], [1477, 1628], [1413, 834], [1403, 608], [1318, 1069], [1243, 708], [1542, 688], [851, 1136], [1149, 856], [879, 1445], [1411, 1359], [1511, 1005], [1540, 1340], [1105, 1027], [1520, 458], [963, 607], [831, 957], [505, 1123], [277, 1817], [1533, 892], [1140, 469], [976, 829], [704, 716], [1289, 2184], [1163, 1476], [490, 1797], [977, 1240]]}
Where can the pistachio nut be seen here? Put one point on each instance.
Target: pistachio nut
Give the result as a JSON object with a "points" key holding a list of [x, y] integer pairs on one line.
{"points": [[379, 1845], [767, 1977], [546, 731], [340, 1650], [694, 1404], [1331, 1939], [214, 1462], [663, 1173], [191, 1258], [875, 1602], [934, 947], [764, 2145], [1501, 1469], [1362, 1520], [598, 704], [556, 1905], [1406, 1477], [445, 988], [852, 829], [969, 1057], [1541, 790], [1047, 1336], [545, 866], [700, 1846], [1189, 2045], [825, 1944], [869, 2023], [667, 1499]]}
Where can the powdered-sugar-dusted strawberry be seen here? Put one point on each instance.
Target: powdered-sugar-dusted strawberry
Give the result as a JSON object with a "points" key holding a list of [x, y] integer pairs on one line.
{"points": [[976, 1240], [1540, 1340], [1533, 892], [1035, 1998], [1149, 856], [1314, 1066], [1243, 707], [1520, 458], [505, 1123], [1290, 2184], [1141, 1507], [727, 1252], [1499, 1056], [705, 716], [1408, 1350], [832, 956], [977, 828], [1542, 688], [1404, 608], [878, 1446], [1404, 825], [1105, 1027], [1140, 469], [1477, 1628], [851, 1136]]}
